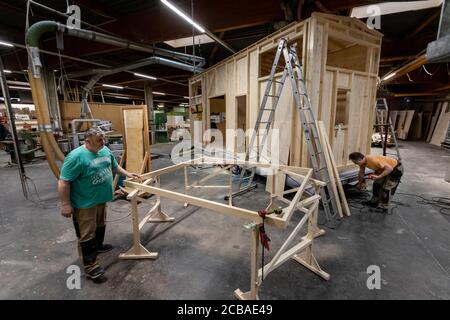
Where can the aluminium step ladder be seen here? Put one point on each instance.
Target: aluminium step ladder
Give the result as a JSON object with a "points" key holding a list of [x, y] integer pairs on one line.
{"points": [[386, 127], [293, 70]]}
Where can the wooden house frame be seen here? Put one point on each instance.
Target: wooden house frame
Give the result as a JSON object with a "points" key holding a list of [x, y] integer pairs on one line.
{"points": [[340, 56], [301, 252]]}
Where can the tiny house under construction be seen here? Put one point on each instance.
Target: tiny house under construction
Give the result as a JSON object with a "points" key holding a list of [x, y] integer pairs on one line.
{"points": [[340, 57]]}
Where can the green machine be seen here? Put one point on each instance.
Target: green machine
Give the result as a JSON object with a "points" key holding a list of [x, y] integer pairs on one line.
{"points": [[27, 146], [160, 127]]}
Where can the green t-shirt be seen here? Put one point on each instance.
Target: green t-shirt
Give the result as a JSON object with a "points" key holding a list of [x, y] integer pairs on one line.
{"points": [[91, 176]]}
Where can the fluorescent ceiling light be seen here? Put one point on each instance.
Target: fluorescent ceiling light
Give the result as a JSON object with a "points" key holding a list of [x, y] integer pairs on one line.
{"points": [[183, 15], [112, 86], [160, 93], [392, 7], [388, 76], [6, 44], [186, 42], [119, 97], [19, 88], [7, 71], [144, 76], [186, 97]]}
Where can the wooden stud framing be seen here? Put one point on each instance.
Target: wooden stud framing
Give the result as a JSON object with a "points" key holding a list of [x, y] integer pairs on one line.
{"points": [[337, 53]]}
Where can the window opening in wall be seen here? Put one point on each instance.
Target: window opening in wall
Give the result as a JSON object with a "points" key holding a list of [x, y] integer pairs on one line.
{"points": [[342, 107]]}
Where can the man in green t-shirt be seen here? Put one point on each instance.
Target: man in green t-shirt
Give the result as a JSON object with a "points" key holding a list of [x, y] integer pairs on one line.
{"points": [[84, 187]]}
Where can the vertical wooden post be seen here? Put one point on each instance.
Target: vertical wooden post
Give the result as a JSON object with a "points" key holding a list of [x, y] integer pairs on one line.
{"points": [[135, 221], [137, 251], [230, 186], [254, 285], [186, 184]]}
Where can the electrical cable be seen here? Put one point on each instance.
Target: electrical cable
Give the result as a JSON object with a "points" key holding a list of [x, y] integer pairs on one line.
{"points": [[429, 73], [39, 202], [443, 203], [440, 203], [409, 78]]}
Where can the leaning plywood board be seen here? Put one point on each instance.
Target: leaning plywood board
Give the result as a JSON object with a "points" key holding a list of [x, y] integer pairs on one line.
{"points": [[415, 131], [441, 129], [393, 115], [400, 123], [136, 138], [434, 120], [405, 123], [133, 124], [327, 149], [408, 122], [327, 155]]}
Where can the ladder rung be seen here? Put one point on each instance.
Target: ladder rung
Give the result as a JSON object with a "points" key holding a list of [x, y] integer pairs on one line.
{"points": [[273, 96], [267, 109]]}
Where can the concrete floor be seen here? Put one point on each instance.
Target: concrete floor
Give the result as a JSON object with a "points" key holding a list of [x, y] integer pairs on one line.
{"points": [[205, 255]]}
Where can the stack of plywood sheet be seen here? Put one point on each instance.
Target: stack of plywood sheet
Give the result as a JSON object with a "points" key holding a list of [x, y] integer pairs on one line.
{"points": [[333, 173], [404, 123], [440, 131]]}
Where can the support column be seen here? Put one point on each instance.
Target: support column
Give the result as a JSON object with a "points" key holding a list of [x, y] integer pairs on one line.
{"points": [[149, 102]]}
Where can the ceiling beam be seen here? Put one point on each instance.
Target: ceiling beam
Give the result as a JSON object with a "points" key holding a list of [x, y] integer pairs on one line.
{"points": [[413, 65], [425, 23], [435, 91], [389, 59], [97, 9]]}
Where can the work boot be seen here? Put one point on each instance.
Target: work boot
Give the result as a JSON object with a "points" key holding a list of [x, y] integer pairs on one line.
{"points": [[99, 237], [97, 275], [91, 265]]}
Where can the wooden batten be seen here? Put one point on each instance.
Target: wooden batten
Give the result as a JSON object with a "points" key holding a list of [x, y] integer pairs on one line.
{"points": [[340, 57]]}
